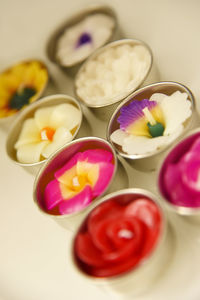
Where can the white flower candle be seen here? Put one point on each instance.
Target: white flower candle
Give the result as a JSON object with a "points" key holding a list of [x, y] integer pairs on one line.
{"points": [[113, 72], [79, 40], [42, 129], [149, 121]]}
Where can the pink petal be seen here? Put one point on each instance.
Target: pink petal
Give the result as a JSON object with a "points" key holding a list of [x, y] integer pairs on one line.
{"points": [[105, 174], [52, 194], [70, 163], [97, 155], [76, 203]]}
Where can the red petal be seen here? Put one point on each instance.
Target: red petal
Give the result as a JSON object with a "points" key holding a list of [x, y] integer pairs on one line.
{"points": [[86, 251]]}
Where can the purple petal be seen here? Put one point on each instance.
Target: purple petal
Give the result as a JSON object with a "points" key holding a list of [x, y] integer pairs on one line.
{"points": [[76, 203], [84, 38], [52, 194], [133, 111]]}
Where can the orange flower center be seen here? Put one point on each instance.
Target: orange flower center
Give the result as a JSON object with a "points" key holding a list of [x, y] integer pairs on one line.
{"points": [[47, 134]]}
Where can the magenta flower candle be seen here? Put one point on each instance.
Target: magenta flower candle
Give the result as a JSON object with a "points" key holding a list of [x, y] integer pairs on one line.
{"points": [[83, 178], [75, 177], [179, 178]]}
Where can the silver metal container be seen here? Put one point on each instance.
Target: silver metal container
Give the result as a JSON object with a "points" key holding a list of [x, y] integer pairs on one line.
{"points": [[6, 123], [82, 130], [119, 178], [189, 213], [105, 111], [142, 277], [150, 161], [51, 46]]}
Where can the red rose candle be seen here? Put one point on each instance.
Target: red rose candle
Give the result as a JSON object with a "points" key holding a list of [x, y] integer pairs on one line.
{"points": [[119, 236]]}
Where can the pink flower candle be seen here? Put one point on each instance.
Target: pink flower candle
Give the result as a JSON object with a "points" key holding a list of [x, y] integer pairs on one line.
{"points": [[83, 178], [179, 178]]}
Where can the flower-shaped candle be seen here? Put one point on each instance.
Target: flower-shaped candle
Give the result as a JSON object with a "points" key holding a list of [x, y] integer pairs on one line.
{"points": [[83, 178], [81, 35], [147, 122], [113, 72], [20, 85], [43, 128], [75, 176], [118, 237], [180, 175]]}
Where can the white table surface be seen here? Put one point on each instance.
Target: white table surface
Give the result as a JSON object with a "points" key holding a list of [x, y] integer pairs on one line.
{"points": [[34, 251]]}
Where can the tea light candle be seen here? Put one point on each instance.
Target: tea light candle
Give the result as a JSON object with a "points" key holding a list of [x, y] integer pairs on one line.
{"points": [[150, 124], [117, 236], [49, 129], [83, 178], [179, 178], [20, 85], [78, 41], [113, 72]]}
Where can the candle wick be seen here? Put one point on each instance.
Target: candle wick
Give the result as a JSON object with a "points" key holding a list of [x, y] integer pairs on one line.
{"points": [[149, 116]]}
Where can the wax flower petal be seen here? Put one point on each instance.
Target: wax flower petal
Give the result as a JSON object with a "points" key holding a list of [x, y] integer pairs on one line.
{"points": [[58, 117], [29, 133], [31, 153], [77, 202], [52, 194], [138, 120], [55, 125]]}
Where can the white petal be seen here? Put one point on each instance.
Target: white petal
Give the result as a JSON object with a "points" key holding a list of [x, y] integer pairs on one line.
{"points": [[141, 145], [65, 115], [29, 133], [176, 110], [42, 116], [118, 136], [61, 137], [158, 97], [30, 153]]}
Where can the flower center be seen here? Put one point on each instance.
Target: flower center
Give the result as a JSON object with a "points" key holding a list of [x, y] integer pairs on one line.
{"points": [[155, 128], [21, 97], [47, 134], [84, 38], [78, 182]]}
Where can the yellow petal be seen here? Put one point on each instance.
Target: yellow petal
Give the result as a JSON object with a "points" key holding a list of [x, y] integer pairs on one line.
{"points": [[67, 177]]}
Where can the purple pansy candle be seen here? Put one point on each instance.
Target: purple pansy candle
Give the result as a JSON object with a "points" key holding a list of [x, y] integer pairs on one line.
{"points": [[148, 125], [179, 178]]}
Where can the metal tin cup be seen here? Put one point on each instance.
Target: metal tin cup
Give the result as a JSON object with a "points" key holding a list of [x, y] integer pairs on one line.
{"points": [[178, 178], [142, 276], [104, 107], [22, 77], [150, 160], [118, 180], [74, 20], [83, 129]]}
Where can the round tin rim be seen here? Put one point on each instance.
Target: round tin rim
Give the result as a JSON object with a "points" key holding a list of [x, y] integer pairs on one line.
{"points": [[56, 154], [145, 260], [31, 109], [134, 94]]}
